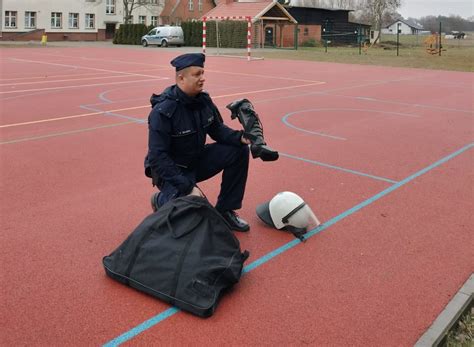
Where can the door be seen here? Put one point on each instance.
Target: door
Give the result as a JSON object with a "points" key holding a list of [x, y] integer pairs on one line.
{"points": [[109, 31], [269, 37]]}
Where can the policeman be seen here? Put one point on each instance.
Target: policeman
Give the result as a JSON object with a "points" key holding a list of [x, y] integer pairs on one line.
{"points": [[178, 156]]}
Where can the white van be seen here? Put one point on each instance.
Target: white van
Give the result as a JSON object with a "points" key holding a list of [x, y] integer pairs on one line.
{"points": [[164, 36]]}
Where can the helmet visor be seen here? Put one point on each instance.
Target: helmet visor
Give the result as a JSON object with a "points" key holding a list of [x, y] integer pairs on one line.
{"points": [[263, 212], [304, 218]]}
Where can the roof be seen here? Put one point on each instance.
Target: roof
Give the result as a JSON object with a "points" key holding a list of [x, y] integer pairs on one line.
{"points": [[256, 10], [312, 4], [408, 22]]}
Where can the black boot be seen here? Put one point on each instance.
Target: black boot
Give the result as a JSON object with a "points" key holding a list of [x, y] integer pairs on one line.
{"points": [[253, 130], [234, 221]]}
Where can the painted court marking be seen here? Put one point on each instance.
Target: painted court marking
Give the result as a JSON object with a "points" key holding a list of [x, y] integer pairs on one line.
{"points": [[81, 67], [262, 260], [146, 106], [66, 133], [358, 173], [80, 86], [68, 80], [288, 115]]}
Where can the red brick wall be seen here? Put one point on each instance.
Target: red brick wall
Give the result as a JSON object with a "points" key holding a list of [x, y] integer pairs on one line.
{"points": [[183, 12], [67, 36], [33, 36], [313, 32]]}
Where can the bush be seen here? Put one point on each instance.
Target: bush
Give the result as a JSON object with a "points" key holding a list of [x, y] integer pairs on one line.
{"points": [[231, 33], [310, 43], [192, 31], [130, 34]]}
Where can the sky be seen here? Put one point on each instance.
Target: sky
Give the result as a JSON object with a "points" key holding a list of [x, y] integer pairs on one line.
{"points": [[423, 8]]}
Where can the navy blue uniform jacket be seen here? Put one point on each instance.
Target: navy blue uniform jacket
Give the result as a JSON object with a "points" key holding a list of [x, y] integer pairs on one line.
{"points": [[178, 125]]}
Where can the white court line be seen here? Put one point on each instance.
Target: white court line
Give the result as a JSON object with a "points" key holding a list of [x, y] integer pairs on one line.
{"points": [[69, 75], [68, 80], [107, 60], [81, 85], [81, 67], [207, 70], [147, 106], [262, 76]]}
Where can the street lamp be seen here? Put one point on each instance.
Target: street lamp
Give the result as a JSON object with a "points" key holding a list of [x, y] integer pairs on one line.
{"points": [[398, 34]]}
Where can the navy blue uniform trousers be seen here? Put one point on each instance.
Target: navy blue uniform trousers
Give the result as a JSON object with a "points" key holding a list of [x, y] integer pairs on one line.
{"points": [[233, 161]]}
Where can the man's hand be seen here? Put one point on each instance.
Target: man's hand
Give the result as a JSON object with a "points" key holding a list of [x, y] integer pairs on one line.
{"points": [[197, 192], [244, 140]]}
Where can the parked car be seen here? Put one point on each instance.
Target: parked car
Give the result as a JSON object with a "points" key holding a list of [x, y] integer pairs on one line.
{"points": [[164, 36]]}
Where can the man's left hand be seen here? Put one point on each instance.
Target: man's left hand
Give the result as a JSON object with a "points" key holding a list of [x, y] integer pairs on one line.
{"points": [[244, 140]]}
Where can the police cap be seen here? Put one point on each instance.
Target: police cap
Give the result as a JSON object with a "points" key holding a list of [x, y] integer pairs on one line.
{"points": [[187, 60]]}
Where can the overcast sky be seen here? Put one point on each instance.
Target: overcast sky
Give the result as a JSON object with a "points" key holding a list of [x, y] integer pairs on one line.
{"points": [[423, 8]]}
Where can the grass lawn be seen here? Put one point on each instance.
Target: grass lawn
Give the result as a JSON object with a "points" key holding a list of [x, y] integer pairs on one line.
{"points": [[456, 55]]}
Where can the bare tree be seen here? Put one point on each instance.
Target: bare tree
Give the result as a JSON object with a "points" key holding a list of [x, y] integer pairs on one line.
{"points": [[130, 5], [376, 10]]}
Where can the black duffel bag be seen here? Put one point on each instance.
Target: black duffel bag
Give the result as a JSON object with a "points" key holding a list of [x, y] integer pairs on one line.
{"points": [[184, 254]]}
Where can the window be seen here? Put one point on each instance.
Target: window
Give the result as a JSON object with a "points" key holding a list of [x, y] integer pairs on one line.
{"points": [[30, 20], [10, 19], [110, 7], [200, 5], [73, 20], [305, 32], [56, 19], [90, 21], [154, 20], [190, 5], [142, 19]]}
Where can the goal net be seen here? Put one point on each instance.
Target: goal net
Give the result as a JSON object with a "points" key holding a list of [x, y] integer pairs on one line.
{"points": [[227, 36]]}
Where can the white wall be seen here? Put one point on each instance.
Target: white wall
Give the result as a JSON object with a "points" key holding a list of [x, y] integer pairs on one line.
{"points": [[392, 29], [43, 9]]}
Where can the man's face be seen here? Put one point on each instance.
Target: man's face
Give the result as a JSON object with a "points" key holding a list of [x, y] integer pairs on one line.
{"points": [[191, 80]]}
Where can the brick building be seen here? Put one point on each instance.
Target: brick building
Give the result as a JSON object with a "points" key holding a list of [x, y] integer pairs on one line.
{"points": [[272, 25]]}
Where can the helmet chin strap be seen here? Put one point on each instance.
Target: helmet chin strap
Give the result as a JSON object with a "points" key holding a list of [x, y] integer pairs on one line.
{"points": [[297, 232], [292, 212]]}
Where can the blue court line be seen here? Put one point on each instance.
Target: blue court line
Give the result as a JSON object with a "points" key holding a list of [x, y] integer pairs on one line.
{"points": [[171, 311], [285, 121], [338, 168], [93, 109], [66, 133]]}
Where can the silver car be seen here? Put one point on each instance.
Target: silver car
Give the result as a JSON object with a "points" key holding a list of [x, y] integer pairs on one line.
{"points": [[164, 36]]}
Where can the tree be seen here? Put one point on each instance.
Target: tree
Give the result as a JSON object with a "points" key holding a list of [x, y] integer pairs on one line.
{"points": [[376, 10], [130, 5], [451, 23]]}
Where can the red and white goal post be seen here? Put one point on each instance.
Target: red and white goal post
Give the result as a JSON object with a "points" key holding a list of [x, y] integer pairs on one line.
{"points": [[216, 47]]}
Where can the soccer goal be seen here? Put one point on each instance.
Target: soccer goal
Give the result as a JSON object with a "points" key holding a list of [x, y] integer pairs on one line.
{"points": [[228, 37]]}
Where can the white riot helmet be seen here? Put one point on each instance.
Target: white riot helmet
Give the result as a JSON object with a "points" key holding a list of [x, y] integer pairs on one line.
{"points": [[288, 211]]}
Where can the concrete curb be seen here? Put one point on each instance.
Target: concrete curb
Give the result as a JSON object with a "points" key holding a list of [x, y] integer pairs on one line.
{"points": [[451, 313]]}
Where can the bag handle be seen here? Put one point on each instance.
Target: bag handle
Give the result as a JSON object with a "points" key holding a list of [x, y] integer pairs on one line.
{"points": [[185, 228]]}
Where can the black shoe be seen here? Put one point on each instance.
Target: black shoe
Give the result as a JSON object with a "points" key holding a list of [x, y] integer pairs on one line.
{"points": [[263, 152], [154, 201], [235, 222]]}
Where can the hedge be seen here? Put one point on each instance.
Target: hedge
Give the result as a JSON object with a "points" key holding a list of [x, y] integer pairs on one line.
{"points": [[232, 34], [131, 34]]}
